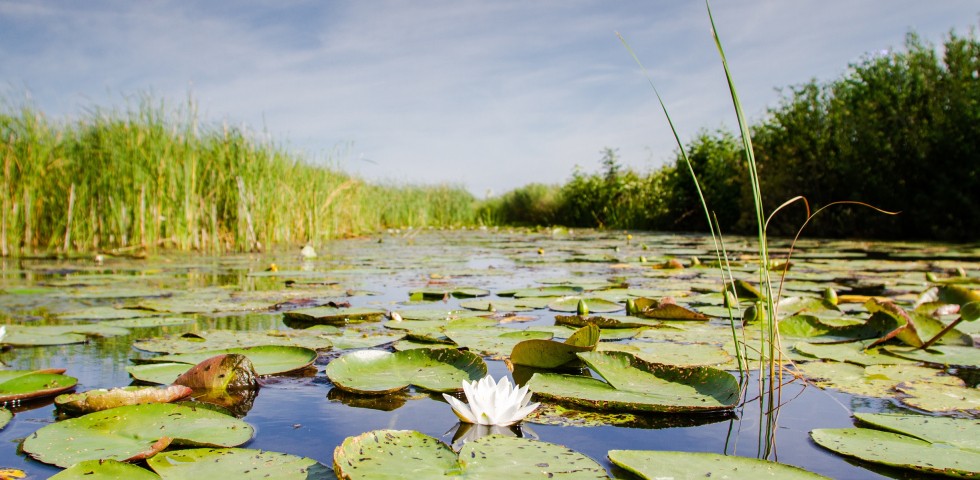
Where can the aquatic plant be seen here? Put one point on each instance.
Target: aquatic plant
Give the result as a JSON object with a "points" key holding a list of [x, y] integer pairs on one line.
{"points": [[492, 403]]}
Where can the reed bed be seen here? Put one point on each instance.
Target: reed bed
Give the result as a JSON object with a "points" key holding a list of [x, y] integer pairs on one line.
{"points": [[155, 177]]}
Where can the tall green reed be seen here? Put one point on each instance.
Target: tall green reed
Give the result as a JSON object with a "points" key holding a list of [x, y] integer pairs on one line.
{"points": [[156, 177]]}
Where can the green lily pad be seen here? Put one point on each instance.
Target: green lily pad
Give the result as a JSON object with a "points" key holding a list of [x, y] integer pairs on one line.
{"points": [[665, 310], [219, 339], [548, 291], [133, 432], [937, 397], [901, 451], [852, 352], [436, 293], [542, 353], [333, 315], [687, 354], [945, 355], [491, 340], [636, 385], [872, 381], [595, 304], [5, 417], [267, 359], [606, 321], [149, 322], [429, 314], [501, 305], [960, 432], [30, 336], [28, 384], [397, 454], [652, 464], [104, 470], [243, 463], [103, 313], [351, 338], [379, 371]]}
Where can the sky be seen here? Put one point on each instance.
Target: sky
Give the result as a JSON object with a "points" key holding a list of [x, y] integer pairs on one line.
{"points": [[487, 95]]}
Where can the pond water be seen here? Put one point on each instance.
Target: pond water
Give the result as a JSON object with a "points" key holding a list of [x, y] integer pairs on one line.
{"points": [[305, 415]]}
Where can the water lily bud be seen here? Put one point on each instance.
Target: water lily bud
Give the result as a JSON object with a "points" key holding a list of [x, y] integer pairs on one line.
{"points": [[582, 308], [395, 316], [630, 306], [830, 296], [695, 261], [540, 251], [730, 299], [629, 238], [643, 259]]}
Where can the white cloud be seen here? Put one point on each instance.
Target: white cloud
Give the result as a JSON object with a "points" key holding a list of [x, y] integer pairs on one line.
{"points": [[487, 94]]}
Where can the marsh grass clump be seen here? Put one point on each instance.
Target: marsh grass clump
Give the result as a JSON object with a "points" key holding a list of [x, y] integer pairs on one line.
{"points": [[153, 177]]}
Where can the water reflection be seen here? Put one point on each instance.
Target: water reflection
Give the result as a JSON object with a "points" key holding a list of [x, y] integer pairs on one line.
{"points": [[385, 403], [464, 432]]}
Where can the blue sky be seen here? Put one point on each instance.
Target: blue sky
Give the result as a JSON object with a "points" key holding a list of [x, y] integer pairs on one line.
{"points": [[490, 95]]}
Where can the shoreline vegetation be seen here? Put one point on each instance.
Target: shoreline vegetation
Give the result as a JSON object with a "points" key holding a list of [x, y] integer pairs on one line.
{"points": [[899, 130]]}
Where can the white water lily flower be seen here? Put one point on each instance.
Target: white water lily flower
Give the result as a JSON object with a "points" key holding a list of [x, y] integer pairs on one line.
{"points": [[492, 403], [3, 332]]}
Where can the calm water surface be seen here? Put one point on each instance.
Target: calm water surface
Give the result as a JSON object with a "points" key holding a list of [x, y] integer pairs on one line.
{"points": [[306, 416]]}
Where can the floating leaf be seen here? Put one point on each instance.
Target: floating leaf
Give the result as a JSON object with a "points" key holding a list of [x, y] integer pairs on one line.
{"points": [[221, 373], [436, 293], [853, 352], [104, 470], [102, 399], [636, 385], [595, 305], [550, 354], [149, 322], [133, 432], [396, 454], [5, 417], [945, 355], [959, 432], [219, 339], [898, 450], [492, 341], [29, 336], [606, 321], [873, 381], [665, 309], [236, 463], [333, 315], [686, 354], [268, 359], [652, 464], [379, 371], [934, 397], [29, 384]]}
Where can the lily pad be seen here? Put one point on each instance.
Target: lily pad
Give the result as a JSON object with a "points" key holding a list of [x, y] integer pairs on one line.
{"points": [[665, 310], [379, 371], [242, 463], [636, 385], [937, 397], [897, 450], [104, 470], [133, 432], [945, 355], [5, 417], [687, 354], [30, 336], [595, 304], [959, 432], [267, 360], [29, 384], [853, 352], [397, 454], [102, 399], [436, 293], [149, 322], [492, 341], [219, 339], [550, 354], [333, 315], [652, 464]]}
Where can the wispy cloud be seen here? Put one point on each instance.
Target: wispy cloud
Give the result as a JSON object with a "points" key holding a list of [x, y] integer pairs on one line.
{"points": [[486, 94]]}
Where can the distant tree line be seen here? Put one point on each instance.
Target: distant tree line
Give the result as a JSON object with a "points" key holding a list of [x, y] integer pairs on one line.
{"points": [[899, 130]]}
